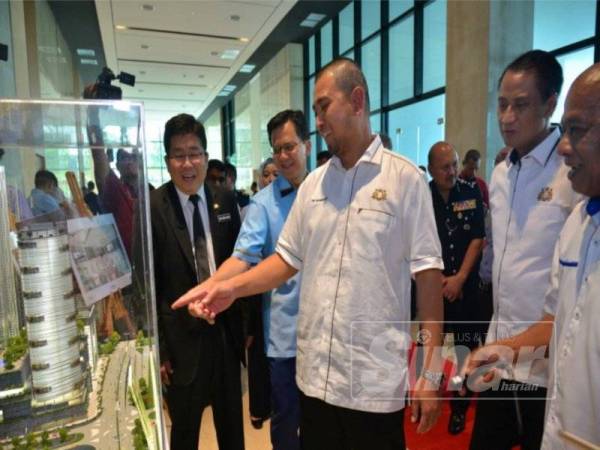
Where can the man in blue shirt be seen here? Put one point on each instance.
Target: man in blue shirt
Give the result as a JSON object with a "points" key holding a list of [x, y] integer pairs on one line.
{"points": [[266, 214]]}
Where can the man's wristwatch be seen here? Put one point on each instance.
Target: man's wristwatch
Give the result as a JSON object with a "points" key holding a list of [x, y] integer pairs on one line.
{"points": [[433, 377]]}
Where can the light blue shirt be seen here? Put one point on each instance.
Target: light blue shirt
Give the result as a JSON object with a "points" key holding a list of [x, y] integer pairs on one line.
{"points": [[258, 236], [42, 202]]}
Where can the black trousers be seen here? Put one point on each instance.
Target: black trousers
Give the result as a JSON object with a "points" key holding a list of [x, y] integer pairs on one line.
{"points": [[328, 427], [217, 383], [500, 425], [259, 385]]}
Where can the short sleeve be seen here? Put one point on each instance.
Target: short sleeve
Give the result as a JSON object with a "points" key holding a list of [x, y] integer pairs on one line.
{"points": [[425, 248], [290, 243], [251, 241]]}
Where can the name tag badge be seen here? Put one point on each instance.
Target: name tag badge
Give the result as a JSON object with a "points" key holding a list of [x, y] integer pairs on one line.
{"points": [[464, 205], [224, 217]]}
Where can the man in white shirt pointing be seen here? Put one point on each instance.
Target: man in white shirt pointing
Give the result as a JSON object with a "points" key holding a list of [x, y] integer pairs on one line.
{"points": [[360, 225]]}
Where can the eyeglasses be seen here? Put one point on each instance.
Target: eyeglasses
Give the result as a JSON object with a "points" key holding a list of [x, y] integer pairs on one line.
{"points": [[194, 157], [286, 148]]}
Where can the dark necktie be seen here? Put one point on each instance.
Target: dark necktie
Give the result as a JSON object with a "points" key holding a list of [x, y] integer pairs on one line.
{"points": [[202, 268], [514, 157]]}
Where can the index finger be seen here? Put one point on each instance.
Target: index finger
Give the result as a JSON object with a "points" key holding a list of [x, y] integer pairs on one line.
{"points": [[190, 296]]}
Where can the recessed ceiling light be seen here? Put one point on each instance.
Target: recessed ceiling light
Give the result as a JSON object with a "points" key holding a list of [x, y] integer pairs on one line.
{"points": [[200, 76], [230, 54], [140, 90], [213, 53], [142, 72], [308, 23], [229, 87], [223, 94], [86, 52], [191, 93], [234, 17], [145, 46], [121, 27], [184, 75], [247, 68], [148, 7], [244, 39], [89, 62]]}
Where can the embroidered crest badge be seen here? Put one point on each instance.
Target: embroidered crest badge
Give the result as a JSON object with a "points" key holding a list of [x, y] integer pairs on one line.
{"points": [[545, 194], [379, 194]]}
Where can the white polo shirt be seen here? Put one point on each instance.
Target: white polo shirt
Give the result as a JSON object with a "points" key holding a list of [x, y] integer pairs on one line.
{"points": [[357, 235], [529, 203], [574, 300]]}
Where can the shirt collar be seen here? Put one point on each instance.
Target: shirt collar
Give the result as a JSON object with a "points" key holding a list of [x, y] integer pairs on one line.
{"points": [[184, 198], [372, 154], [542, 152], [283, 186]]}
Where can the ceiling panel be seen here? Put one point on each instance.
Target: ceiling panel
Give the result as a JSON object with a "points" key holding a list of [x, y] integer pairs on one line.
{"points": [[173, 73], [218, 18], [164, 47], [166, 92]]}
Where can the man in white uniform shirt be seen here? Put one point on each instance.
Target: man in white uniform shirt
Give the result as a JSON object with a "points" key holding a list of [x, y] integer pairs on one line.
{"points": [[530, 199], [573, 410], [360, 225]]}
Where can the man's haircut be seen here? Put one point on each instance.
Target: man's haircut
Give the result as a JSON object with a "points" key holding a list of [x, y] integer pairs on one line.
{"points": [[296, 117], [347, 77], [180, 125], [230, 170], [44, 178], [1, 153], [546, 69], [472, 155], [91, 186], [215, 164]]}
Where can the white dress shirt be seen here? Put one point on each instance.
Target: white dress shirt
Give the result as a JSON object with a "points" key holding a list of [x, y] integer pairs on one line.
{"points": [[357, 235], [574, 300], [529, 202], [188, 213]]}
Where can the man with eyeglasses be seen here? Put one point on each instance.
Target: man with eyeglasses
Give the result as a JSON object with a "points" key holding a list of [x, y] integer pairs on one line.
{"points": [[458, 209], [289, 138], [193, 232]]}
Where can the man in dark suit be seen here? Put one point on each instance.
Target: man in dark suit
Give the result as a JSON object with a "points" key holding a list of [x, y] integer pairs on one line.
{"points": [[193, 231]]}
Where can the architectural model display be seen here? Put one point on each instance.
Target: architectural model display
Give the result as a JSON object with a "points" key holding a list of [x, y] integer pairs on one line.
{"points": [[78, 355]]}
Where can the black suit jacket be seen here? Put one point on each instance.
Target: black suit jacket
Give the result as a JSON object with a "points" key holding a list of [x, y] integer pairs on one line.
{"points": [[175, 274]]}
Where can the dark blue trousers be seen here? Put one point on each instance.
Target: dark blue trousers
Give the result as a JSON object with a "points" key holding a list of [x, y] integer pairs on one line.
{"points": [[285, 404]]}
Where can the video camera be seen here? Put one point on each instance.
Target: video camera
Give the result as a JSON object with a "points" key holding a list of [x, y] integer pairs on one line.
{"points": [[104, 90]]}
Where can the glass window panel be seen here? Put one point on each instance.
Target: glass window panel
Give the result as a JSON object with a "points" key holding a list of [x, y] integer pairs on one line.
{"points": [[346, 28], [415, 128], [371, 66], [370, 17], [312, 158], [375, 120], [560, 23], [573, 64], [309, 113], [399, 7], [401, 57], [434, 45], [311, 55], [326, 43], [350, 54]]}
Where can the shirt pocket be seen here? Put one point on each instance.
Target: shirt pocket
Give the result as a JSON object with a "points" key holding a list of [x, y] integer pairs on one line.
{"points": [[371, 232]]}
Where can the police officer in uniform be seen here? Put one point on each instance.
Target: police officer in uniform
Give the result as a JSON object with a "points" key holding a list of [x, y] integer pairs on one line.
{"points": [[459, 216]]}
